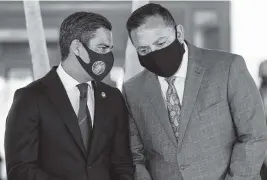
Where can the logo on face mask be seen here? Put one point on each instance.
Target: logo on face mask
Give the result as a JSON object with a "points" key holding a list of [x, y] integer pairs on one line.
{"points": [[98, 67], [100, 64]]}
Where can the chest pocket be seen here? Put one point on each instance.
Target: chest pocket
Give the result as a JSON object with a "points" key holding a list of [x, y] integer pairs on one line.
{"points": [[213, 111], [214, 120]]}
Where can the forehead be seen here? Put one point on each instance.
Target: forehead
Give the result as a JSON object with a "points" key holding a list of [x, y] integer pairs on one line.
{"points": [[102, 36], [153, 29]]}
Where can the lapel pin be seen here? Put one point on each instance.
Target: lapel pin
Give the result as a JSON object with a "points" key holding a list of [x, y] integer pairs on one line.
{"points": [[103, 95]]}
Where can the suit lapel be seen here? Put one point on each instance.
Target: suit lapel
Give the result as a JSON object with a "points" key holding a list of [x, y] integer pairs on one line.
{"points": [[193, 81], [154, 94], [58, 96], [195, 72], [101, 96]]}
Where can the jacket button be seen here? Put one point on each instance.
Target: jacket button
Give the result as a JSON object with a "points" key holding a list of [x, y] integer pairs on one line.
{"points": [[89, 167]]}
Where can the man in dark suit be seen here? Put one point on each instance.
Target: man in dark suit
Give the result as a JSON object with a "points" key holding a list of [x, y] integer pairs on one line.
{"points": [[69, 125]]}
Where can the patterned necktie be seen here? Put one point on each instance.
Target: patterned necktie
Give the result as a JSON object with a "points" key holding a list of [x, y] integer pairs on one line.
{"points": [[84, 117], [173, 106]]}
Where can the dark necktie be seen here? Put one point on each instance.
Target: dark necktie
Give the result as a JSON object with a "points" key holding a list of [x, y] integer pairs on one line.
{"points": [[84, 117], [173, 106]]}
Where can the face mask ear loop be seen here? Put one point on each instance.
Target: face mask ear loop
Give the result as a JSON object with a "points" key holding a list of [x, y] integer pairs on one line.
{"points": [[86, 48], [175, 27]]}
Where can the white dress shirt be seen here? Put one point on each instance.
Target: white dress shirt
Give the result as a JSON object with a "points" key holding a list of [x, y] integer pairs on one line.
{"points": [[70, 85], [180, 75]]}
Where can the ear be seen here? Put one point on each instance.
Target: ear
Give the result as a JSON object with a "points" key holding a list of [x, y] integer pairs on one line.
{"points": [[75, 47], [180, 33]]}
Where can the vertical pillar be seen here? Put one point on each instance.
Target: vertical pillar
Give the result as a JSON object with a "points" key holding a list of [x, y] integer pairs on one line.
{"points": [[36, 36], [132, 66]]}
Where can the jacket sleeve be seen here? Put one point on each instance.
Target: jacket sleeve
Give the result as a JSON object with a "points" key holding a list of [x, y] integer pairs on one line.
{"points": [[137, 148], [21, 139], [250, 123], [121, 158]]}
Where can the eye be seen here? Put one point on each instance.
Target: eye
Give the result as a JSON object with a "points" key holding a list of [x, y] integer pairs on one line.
{"points": [[102, 49], [161, 44], [143, 51]]}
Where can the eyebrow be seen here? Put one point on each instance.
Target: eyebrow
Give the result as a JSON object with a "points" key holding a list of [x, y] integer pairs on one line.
{"points": [[106, 45], [157, 41], [142, 47]]}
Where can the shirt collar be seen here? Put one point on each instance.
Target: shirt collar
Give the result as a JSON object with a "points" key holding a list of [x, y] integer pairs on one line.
{"points": [[183, 67], [68, 82]]}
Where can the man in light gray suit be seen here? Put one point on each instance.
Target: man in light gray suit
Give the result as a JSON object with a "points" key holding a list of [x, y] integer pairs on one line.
{"points": [[196, 114]]}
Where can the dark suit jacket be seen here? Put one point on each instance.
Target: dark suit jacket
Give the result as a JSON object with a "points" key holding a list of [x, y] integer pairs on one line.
{"points": [[43, 139]]}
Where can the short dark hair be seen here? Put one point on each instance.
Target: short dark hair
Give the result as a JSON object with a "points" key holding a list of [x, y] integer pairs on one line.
{"points": [[80, 26], [139, 16]]}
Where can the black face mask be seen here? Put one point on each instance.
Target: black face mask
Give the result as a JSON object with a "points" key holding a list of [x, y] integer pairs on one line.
{"points": [[100, 64], [166, 61]]}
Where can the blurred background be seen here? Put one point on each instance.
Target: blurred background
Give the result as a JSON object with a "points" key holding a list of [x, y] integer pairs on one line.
{"points": [[235, 26]]}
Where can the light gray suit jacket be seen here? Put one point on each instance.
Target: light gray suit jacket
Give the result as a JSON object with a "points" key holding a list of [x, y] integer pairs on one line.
{"points": [[223, 134]]}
